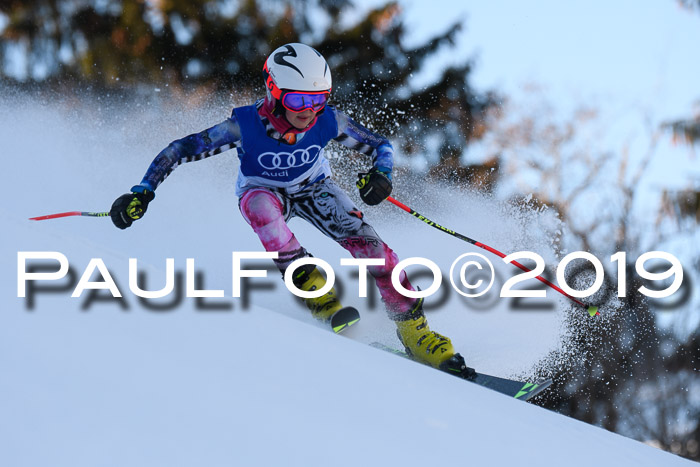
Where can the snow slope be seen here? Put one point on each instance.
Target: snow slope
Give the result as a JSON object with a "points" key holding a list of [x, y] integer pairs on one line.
{"points": [[98, 383]]}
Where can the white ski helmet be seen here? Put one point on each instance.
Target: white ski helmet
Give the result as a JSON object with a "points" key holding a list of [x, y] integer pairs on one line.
{"points": [[296, 67]]}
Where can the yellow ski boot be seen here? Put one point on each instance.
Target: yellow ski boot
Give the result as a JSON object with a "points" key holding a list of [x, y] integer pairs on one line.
{"points": [[327, 307], [429, 347]]}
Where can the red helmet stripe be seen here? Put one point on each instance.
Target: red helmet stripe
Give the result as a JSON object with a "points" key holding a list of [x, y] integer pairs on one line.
{"points": [[270, 83]]}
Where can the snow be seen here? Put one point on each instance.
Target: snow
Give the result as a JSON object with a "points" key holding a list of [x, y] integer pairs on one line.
{"points": [[90, 383]]}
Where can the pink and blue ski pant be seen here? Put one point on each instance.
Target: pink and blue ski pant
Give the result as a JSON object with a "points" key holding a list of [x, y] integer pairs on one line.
{"points": [[327, 207]]}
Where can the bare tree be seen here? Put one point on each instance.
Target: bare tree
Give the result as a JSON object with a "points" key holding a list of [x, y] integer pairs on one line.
{"points": [[604, 363]]}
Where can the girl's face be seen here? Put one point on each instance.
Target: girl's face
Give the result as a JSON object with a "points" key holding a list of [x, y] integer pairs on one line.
{"points": [[300, 120]]}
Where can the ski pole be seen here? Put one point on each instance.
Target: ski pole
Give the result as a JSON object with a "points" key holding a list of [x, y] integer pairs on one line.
{"points": [[592, 310], [68, 214]]}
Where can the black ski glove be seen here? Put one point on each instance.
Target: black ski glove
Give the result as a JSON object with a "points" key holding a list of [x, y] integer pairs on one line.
{"points": [[375, 185], [131, 206]]}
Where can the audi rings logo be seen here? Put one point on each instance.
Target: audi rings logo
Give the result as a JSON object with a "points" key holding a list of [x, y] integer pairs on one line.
{"points": [[289, 160]]}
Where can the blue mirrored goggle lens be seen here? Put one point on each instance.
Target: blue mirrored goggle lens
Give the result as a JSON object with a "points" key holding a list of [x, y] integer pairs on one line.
{"points": [[298, 102]]}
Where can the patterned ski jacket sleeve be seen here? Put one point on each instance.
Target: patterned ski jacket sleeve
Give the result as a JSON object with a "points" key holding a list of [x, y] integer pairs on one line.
{"points": [[215, 140], [359, 138]]}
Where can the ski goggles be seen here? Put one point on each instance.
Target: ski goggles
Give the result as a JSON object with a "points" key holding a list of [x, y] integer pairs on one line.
{"points": [[299, 101]]}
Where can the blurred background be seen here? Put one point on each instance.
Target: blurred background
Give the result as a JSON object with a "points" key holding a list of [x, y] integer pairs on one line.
{"points": [[590, 113]]}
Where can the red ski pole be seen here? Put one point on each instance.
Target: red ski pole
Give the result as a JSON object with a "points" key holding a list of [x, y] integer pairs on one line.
{"points": [[592, 310], [68, 214]]}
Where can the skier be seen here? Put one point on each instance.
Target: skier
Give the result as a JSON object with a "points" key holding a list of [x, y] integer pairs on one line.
{"points": [[283, 173]]}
